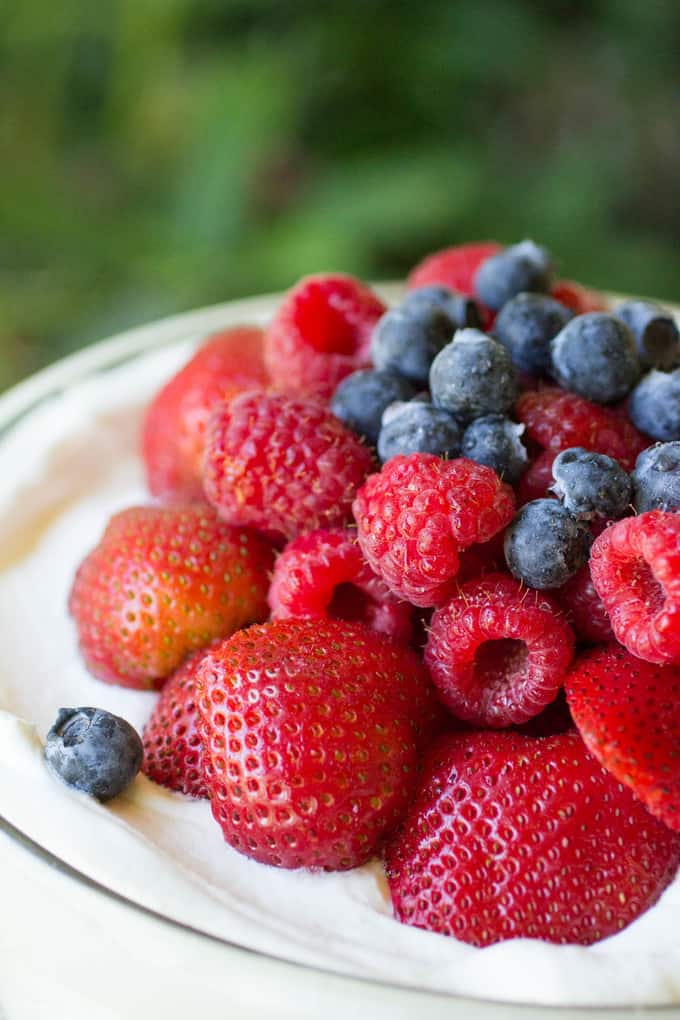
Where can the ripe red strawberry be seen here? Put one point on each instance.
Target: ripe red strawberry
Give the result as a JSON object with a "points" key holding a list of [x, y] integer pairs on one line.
{"points": [[628, 712], [162, 583], [282, 464], [580, 299], [323, 575], [309, 729], [173, 434], [321, 333], [512, 836], [173, 751], [635, 567], [497, 652], [557, 420]]}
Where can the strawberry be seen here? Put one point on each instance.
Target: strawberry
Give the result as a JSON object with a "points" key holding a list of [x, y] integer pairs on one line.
{"points": [[162, 583], [309, 729], [513, 836], [173, 752], [174, 426], [628, 712]]}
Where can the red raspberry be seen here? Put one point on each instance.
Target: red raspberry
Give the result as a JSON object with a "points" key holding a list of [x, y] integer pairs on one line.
{"points": [[580, 299], [456, 269], [173, 434], [416, 514], [478, 560], [162, 583], [536, 481], [282, 464], [173, 752], [628, 712], [321, 333], [323, 575], [510, 836], [308, 730], [584, 608], [635, 566], [498, 652], [558, 420], [555, 718]]}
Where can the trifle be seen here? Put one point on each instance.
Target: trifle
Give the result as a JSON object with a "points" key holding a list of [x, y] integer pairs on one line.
{"points": [[361, 718]]}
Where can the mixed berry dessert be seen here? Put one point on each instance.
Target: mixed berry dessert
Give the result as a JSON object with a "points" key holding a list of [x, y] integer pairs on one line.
{"points": [[376, 632]]}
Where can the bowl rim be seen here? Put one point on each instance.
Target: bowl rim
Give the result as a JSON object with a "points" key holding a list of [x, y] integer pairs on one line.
{"points": [[23, 399]]}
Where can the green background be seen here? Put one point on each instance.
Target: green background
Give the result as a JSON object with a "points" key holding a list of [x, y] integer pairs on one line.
{"points": [[163, 154]]}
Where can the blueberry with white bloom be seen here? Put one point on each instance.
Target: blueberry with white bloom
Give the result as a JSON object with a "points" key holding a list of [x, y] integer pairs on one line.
{"points": [[93, 751], [460, 310], [655, 331], [520, 268], [473, 376], [405, 341], [654, 405], [545, 545], [418, 427], [595, 356], [591, 485], [656, 478], [526, 325], [495, 441], [361, 398]]}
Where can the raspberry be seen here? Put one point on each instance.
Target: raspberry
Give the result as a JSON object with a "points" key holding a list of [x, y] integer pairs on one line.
{"points": [[162, 583], [555, 718], [537, 480], [173, 752], [309, 729], [173, 433], [282, 464], [454, 267], [584, 608], [323, 575], [635, 566], [558, 420], [579, 299], [498, 652], [628, 713], [511, 836], [416, 514], [321, 333]]}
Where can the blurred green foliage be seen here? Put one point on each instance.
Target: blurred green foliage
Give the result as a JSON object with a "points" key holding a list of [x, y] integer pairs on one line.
{"points": [[162, 154]]}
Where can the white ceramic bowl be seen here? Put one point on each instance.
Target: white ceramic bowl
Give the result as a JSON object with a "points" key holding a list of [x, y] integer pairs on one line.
{"points": [[72, 947]]}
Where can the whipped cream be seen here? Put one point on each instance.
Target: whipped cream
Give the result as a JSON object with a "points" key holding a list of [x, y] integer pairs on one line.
{"points": [[65, 469]]}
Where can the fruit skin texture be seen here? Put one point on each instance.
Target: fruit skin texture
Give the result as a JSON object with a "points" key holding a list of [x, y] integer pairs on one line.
{"points": [[173, 751], [162, 583], [656, 478], [173, 432], [473, 376], [635, 566], [655, 405], [595, 356], [518, 269], [584, 609], [628, 713], [323, 575], [558, 420], [497, 653], [415, 515], [511, 836], [321, 333], [418, 427], [93, 751], [526, 326], [283, 464], [310, 730], [545, 545], [407, 340], [591, 485], [655, 331], [495, 441]]}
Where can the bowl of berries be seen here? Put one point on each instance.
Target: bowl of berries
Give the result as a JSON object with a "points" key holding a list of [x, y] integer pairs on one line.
{"points": [[341, 654]]}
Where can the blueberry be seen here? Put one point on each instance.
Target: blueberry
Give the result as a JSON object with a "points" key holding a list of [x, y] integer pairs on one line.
{"points": [[595, 356], [406, 341], [473, 376], [655, 404], [361, 398], [545, 545], [418, 428], [94, 751], [655, 331], [495, 441], [526, 325], [591, 484], [460, 310], [656, 478], [522, 267]]}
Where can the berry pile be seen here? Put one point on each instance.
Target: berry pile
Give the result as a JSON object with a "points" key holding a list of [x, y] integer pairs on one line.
{"points": [[387, 542]]}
